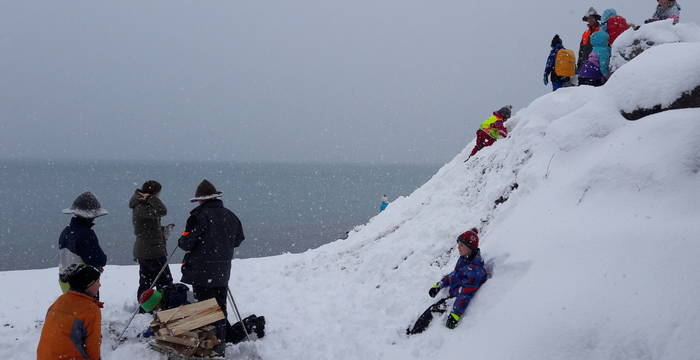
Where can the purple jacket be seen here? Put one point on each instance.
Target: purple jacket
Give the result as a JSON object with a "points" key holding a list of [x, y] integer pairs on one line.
{"points": [[591, 68]]}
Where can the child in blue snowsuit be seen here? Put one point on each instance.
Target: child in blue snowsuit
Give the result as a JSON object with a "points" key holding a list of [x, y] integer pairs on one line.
{"points": [[466, 279], [384, 204]]}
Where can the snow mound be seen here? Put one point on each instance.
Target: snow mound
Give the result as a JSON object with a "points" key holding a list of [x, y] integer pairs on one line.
{"points": [[650, 80], [632, 43], [588, 224]]}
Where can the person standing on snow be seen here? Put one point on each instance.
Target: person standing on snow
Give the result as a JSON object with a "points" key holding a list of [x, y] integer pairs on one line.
{"points": [[585, 48], [491, 130], [78, 243], [149, 249], [73, 324], [561, 64], [211, 234], [666, 9], [466, 279], [590, 73], [613, 24], [384, 204], [600, 41]]}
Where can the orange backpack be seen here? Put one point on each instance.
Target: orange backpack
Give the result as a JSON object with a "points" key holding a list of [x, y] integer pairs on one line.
{"points": [[565, 64]]}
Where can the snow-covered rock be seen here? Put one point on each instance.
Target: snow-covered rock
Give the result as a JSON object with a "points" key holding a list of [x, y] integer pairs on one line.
{"points": [[593, 254], [631, 43]]}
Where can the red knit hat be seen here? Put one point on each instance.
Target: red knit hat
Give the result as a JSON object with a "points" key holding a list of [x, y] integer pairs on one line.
{"points": [[470, 238]]}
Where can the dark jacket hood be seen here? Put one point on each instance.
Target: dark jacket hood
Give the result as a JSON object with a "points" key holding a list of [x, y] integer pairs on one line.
{"points": [[209, 204], [78, 221]]}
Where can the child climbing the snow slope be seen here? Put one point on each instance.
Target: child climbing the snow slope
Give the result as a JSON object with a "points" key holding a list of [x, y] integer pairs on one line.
{"points": [[491, 130]]}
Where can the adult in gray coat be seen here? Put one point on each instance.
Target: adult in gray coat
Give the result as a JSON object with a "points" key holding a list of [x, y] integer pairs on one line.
{"points": [[149, 249]]}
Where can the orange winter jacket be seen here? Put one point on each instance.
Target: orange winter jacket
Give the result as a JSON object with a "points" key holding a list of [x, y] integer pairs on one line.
{"points": [[72, 329]]}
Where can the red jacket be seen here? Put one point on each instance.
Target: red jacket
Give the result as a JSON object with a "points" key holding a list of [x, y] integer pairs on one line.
{"points": [[72, 329], [616, 26]]}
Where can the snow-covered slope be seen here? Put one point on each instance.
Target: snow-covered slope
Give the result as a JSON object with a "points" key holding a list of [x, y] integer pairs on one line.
{"points": [[593, 254]]}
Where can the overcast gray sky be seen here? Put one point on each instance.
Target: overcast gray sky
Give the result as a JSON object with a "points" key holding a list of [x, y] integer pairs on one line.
{"points": [[283, 81]]}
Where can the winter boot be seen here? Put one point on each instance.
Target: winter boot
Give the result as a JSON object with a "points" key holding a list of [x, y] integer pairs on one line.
{"points": [[257, 326]]}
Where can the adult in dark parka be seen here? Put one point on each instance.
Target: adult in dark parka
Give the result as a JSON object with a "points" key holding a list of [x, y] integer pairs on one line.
{"points": [[211, 234], [149, 249]]}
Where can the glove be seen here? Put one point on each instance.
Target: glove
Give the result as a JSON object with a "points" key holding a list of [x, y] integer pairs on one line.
{"points": [[452, 321], [546, 81], [434, 290]]}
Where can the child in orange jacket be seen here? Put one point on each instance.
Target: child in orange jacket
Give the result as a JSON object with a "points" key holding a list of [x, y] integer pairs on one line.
{"points": [[72, 328]]}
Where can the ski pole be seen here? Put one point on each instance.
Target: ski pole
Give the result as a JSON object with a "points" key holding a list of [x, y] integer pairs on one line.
{"points": [[235, 309], [133, 315]]}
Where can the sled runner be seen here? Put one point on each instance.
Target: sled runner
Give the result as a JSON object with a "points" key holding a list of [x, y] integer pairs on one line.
{"points": [[427, 316]]}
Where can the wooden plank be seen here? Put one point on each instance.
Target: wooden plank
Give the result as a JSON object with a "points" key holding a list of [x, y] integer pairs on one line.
{"points": [[207, 344], [180, 340], [194, 322], [177, 348], [185, 310]]}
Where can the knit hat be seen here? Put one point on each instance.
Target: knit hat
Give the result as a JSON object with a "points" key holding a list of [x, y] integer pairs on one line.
{"points": [[87, 206], [470, 238], [150, 187], [206, 191], [591, 12], [150, 299], [79, 276], [556, 40], [504, 112]]}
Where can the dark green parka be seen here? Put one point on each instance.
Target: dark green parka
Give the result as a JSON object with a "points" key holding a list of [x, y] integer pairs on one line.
{"points": [[150, 242]]}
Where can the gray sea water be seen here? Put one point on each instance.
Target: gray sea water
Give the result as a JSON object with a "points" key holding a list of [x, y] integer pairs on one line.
{"points": [[283, 207]]}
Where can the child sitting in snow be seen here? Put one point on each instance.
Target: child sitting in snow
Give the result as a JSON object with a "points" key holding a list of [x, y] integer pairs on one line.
{"points": [[463, 283]]}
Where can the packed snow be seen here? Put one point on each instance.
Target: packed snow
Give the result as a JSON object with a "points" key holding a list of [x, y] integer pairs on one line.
{"points": [[593, 255], [631, 43]]}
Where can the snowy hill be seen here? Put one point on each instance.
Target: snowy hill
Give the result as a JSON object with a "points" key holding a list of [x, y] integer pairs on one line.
{"points": [[594, 252]]}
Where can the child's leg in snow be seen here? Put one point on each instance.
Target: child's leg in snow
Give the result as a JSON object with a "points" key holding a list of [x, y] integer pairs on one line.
{"points": [[481, 138]]}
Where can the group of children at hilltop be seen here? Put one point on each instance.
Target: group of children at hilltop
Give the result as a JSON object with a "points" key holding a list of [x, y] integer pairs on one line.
{"points": [[592, 67]]}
